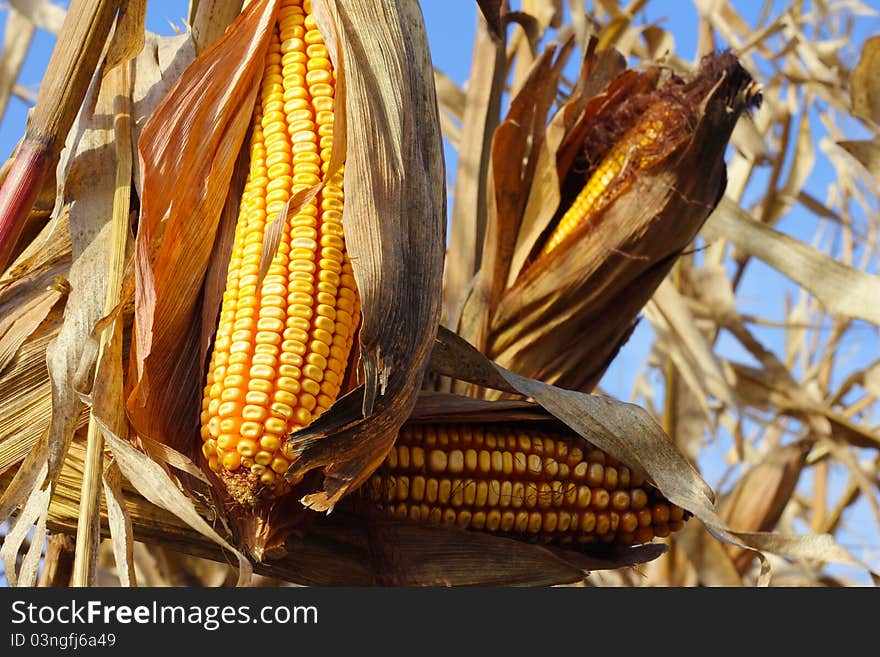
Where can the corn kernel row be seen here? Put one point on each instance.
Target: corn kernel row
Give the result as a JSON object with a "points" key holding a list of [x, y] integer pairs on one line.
{"points": [[542, 486]]}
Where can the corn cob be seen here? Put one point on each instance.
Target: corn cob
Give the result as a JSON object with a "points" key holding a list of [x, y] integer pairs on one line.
{"points": [[537, 485], [640, 147], [282, 345]]}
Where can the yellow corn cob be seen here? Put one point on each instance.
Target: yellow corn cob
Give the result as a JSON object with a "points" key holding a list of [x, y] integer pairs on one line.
{"points": [[548, 487], [282, 344], [634, 151]]}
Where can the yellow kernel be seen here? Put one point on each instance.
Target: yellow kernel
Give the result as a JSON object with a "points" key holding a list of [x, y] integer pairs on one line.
{"points": [[247, 447], [437, 461], [254, 413]]}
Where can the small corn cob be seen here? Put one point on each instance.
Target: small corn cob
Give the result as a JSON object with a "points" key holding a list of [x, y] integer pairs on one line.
{"points": [[639, 148], [282, 344], [547, 487]]}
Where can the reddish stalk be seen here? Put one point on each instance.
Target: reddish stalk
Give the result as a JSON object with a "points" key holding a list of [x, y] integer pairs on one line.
{"points": [[18, 193]]}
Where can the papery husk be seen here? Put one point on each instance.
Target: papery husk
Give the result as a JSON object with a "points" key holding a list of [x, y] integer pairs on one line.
{"points": [[566, 314], [630, 434], [519, 138]]}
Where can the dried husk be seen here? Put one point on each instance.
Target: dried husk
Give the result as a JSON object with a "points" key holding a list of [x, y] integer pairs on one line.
{"points": [[519, 138], [630, 434], [564, 315], [394, 217], [187, 151]]}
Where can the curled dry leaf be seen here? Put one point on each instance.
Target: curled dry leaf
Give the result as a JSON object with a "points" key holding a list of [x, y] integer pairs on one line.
{"points": [[631, 435]]}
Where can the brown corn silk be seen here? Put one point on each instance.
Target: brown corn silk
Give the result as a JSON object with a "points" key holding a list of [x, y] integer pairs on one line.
{"points": [[283, 342]]}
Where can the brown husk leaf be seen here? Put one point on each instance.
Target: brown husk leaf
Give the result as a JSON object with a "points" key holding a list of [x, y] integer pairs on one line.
{"points": [[566, 314]]}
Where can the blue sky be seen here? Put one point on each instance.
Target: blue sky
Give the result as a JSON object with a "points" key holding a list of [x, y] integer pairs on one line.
{"points": [[450, 25]]}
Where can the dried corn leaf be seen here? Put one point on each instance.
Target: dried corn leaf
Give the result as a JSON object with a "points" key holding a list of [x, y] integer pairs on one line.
{"points": [[152, 482], [867, 153], [210, 18], [35, 284], [106, 392], [120, 525], [760, 496], [864, 87], [25, 389], [26, 395], [696, 350], [839, 288], [29, 523], [17, 38], [44, 14], [480, 118], [88, 189], [394, 221]]}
